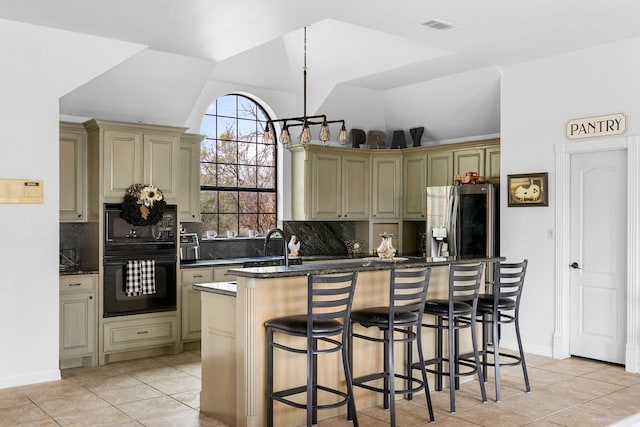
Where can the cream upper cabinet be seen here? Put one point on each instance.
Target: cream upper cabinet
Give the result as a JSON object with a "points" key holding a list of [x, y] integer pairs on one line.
{"points": [[326, 185], [137, 154], [471, 160], [189, 179], [414, 183], [73, 172], [355, 186], [329, 183], [439, 168], [492, 164], [386, 185]]}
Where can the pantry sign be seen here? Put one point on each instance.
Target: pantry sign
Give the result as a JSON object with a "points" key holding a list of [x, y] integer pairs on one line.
{"points": [[610, 124]]}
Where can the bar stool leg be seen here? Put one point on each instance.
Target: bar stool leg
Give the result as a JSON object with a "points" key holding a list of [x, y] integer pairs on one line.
{"points": [[452, 368], [522, 362], [474, 341], [270, 378]]}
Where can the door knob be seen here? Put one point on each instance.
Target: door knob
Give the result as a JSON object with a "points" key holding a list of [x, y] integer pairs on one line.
{"points": [[575, 265]]}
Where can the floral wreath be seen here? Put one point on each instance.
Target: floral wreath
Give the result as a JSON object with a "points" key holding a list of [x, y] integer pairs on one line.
{"points": [[143, 205]]}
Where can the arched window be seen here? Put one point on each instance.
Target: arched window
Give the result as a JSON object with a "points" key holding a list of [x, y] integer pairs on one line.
{"points": [[237, 168]]}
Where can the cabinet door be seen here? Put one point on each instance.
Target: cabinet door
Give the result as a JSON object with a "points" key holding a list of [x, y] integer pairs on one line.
{"points": [[161, 152], [386, 186], [414, 182], [355, 187], [189, 189], [326, 186], [492, 165], [73, 165], [191, 313], [439, 168], [123, 154], [469, 161], [77, 324]]}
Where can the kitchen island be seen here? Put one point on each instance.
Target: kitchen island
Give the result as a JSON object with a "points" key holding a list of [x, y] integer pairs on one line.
{"points": [[233, 335]]}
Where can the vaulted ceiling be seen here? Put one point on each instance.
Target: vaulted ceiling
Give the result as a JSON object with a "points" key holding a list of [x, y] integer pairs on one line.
{"points": [[374, 44]]}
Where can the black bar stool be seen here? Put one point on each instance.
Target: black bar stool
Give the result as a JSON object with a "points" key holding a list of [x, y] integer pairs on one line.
{"points": [[452, 315], [407, 296], [329, 301], [502, 307]]}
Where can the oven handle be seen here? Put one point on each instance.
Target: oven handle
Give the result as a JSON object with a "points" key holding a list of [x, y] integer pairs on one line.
{"points": [[121, 260]]}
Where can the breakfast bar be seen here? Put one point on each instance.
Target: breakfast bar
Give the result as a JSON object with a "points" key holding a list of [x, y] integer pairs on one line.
{"points": [[233, 334]]}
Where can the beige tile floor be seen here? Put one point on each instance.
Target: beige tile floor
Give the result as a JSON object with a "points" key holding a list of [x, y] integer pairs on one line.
{"points": [[164, 391]]}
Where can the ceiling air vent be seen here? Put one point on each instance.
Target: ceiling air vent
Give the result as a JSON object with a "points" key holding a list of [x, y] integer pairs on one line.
{"points": [[438, 24]]}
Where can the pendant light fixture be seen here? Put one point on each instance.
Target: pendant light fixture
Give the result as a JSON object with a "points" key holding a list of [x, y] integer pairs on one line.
{"points": [[305, 121]]}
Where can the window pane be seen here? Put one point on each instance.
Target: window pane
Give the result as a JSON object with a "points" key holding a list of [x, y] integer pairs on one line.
{"points": [[208, 126], [266, 177], [266, 222], [246, 153], [227, 175], [227, 152], [248, 222], [247, 109], [228, 201], [267, 203], [266, 155], [248, 202], [208, 201], [227, 105], [208, 174], [247, 176], [247, 130], [208, 150], [228, 222], [209, 222], [227, 128]]}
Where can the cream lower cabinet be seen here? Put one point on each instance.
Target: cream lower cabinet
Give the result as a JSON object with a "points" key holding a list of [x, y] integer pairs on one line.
{"points": [[386, 185], [189, 186], [73, 172], [78, 321], [137, 154], [329, 183], [191, 305]]}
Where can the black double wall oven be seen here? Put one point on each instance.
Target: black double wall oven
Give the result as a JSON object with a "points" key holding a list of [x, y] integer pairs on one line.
{"points": [[155, 247]]}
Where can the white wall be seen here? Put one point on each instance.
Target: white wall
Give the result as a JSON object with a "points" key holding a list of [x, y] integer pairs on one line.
{"points": [[538, 98], [39, 66]]}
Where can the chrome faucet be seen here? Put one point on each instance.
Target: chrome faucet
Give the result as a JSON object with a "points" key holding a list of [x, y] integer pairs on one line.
{"points": [[284, 244]]}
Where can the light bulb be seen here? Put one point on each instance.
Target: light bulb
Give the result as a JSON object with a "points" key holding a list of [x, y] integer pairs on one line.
{"points": [[267, 135], [342, 137], [305, 137], [285, 138], [324, 133]]}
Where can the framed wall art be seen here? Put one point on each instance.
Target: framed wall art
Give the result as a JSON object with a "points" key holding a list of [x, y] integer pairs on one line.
{"points": [[528, 189]]}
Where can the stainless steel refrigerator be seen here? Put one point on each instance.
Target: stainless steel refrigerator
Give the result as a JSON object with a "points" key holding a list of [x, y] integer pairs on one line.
{"points": [[462, 220]]}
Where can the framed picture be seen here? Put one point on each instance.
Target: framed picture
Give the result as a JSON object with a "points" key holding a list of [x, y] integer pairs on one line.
{"points": [[528, 189]]}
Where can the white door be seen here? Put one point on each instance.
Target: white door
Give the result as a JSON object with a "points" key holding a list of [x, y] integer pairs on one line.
{"points": [[598, 255]]}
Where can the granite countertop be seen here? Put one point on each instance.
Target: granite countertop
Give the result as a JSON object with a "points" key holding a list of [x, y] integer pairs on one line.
{"points": [[363, 264], [223, 262], [77, 272]]}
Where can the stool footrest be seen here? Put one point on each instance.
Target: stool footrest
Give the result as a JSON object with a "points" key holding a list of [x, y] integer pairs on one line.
{"points": [[361, 382], [281, 396]]}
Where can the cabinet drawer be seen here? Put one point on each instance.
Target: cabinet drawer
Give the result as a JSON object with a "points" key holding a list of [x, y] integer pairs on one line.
{"points": [[197, 275], [136, 334], [77, 283]]}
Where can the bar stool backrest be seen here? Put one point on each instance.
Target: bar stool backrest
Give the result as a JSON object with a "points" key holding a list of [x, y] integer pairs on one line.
{"points": [[510, 280], [464, 282], [329, 297], [408, 292]]}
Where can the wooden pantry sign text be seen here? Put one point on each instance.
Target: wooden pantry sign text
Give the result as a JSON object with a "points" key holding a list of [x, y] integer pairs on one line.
{"points": [[611, 124]]}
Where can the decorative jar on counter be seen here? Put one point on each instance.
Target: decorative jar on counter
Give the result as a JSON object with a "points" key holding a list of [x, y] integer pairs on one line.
{"points": [[386, 249]]}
